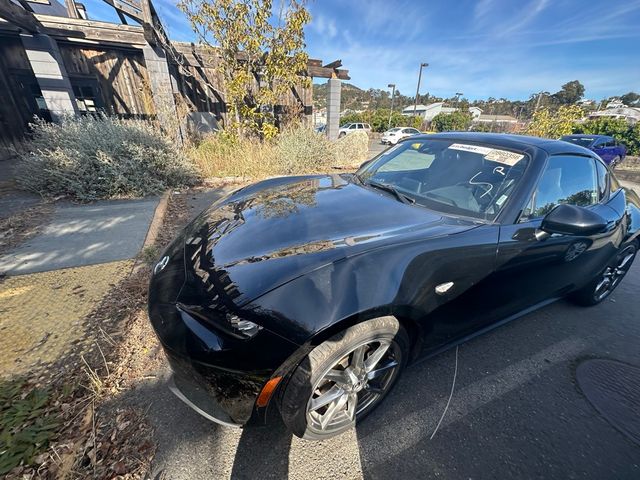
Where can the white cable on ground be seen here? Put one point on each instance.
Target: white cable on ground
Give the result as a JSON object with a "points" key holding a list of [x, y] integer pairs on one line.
{"points": [[453, 386]]}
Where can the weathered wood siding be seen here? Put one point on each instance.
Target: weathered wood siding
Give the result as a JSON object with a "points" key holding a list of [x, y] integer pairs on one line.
{"points": [[17, 100], [121, 75]]}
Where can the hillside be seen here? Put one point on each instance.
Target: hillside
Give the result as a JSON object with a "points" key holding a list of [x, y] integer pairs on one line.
{"points": [[352, 97]]}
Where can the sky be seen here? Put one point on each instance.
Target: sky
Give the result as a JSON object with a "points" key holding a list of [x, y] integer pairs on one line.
{"points": [[482, 48]]}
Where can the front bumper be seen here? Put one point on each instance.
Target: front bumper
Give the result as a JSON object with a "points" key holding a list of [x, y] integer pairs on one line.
{"points": [[220, 377], [197, 399]]}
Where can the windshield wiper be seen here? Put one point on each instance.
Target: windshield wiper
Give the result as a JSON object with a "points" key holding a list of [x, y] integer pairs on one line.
{"points": [[391, 189]]}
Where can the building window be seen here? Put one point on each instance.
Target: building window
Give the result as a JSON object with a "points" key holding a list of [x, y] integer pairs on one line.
{"points": [[87, 95]]}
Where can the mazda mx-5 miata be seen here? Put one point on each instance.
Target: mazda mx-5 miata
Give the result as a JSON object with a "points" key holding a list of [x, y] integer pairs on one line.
{"points": [[312, 293]]}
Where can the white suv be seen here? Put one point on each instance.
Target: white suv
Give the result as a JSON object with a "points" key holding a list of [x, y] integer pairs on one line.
{"points": [[354, 127]]}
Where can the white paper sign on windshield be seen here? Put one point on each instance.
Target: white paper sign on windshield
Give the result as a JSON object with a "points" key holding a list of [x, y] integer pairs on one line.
{"points": [[504, 156], [470, 148], [492, 154]]}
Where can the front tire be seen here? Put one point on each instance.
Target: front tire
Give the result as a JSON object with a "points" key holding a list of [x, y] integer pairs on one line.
{"points": [[343, 379], [598, 289], [615, 162]]}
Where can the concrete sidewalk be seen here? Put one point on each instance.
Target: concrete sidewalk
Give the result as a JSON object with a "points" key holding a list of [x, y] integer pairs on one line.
{"points": [[80, 235]]}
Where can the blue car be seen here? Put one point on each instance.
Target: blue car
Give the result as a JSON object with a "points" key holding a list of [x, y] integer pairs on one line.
{"points": [[607, 148]]}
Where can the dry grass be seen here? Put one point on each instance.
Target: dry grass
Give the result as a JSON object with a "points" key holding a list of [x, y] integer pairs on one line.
{"points": [[298, 150]]}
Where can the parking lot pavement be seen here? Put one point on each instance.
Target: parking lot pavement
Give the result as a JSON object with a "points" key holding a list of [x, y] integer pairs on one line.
{"points": [[516, 412], [375, 147]]}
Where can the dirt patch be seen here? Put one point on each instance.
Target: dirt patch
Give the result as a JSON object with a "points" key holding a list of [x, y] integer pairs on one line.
{"points": [[19, 228]]}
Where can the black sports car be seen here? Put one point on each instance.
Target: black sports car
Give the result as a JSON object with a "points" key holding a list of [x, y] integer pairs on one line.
{"points": [[313, 293]]}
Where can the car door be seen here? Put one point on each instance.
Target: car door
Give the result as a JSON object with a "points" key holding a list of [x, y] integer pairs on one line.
{"points": [[530, 271], [604, 149]]}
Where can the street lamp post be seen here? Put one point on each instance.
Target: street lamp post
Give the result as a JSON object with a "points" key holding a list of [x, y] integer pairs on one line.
{"points": [[393, 94], [458, 95], [415, 104]]}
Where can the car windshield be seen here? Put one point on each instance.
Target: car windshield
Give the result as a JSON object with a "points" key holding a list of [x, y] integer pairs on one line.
{"points": [[448, 176], [346, 125], [582, 141], [394, 130]]}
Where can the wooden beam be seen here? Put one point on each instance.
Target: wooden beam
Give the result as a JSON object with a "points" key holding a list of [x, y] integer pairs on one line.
{"points": [[26, 5], [91, 31], [72, 10], [322, 72], [19, 16], [334, 64], [126, 8]]}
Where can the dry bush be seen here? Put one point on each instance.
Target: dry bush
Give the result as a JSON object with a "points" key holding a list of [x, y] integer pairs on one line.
{"points": [[351, 150], [94, 157], [297, 150]]}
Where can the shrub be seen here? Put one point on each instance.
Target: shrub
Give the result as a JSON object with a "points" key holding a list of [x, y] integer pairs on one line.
{"points": [[90, 158], [454, 121], [301, 149], [351, 150], [546, 123]]}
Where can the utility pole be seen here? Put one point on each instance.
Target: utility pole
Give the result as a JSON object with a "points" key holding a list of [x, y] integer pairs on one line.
{"points": [[538, 101], [393, 94], [415, 103]]}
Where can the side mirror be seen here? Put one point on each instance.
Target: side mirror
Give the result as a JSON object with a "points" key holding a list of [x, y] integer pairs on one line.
{"points": [[571, 220]]}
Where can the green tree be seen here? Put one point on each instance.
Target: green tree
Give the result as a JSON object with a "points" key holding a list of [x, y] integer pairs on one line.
{"points": [[630, 99], [261, 55], [546, 123], [455, 121], [570, 93]]}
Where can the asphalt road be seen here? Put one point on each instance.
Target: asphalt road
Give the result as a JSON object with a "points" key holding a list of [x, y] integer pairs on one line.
{"points": [[516, 412]]}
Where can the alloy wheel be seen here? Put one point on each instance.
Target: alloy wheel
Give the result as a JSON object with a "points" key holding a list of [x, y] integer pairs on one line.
{"points": [[613, 274], [353, 385]]}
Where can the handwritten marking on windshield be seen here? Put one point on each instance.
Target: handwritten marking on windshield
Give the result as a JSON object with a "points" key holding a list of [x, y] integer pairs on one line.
{"points": [[488, 185]]}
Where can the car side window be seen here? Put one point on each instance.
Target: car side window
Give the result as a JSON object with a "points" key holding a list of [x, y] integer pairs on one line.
{"points": [[352, 126], [603, 180], [566, 179]]}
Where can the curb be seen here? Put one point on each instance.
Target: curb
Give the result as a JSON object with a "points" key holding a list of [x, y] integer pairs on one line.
{"points": [[157, 220]]}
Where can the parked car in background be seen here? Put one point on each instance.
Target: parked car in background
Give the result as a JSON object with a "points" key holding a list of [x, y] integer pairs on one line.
{"points": [[608, 148], [312, 293], [353, 127], [394, 135]]}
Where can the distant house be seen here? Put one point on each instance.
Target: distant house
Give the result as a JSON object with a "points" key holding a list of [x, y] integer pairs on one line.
{"points": [[615, 103], [427, 112], [475, 112], [630, 114]]}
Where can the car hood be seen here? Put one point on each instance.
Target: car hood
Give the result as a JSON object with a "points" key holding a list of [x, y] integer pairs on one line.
{"points": [[267, 234]]}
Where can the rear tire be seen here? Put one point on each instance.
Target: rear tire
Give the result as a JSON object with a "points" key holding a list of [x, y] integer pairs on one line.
{"points": [[598, 289], [343, 379]]}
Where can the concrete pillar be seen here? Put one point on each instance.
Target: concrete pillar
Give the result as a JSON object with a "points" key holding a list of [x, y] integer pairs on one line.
{"points": [[333, 108], [48, 68]]}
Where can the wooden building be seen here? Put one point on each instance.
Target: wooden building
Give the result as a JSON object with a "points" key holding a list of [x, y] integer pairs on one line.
{"points": [[55, 62]]}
